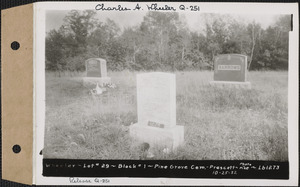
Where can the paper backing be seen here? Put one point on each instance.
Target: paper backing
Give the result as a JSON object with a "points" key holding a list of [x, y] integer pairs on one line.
{"points": [[17, 93]]}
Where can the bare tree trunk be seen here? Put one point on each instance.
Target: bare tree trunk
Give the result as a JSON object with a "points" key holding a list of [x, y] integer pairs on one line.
{"points": [[134, 51], [182, 55], [160, 47], [251, 56], [253, 45], [241, 45], [98, 48], [212, 63], [198, 43]]}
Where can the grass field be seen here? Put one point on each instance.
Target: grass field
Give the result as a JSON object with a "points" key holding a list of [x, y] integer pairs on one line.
{"points": [[223, 124]]}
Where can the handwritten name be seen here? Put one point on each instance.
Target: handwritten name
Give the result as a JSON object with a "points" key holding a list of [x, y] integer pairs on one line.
{"points": [[115, 8], [155, 7]]}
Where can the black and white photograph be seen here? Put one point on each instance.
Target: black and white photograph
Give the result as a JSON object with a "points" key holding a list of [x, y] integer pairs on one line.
{"points": [[167, 83]]}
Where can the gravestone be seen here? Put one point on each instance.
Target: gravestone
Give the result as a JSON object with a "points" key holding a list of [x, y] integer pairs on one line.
{"points": [[96, 72], [230, 70], [156, 107]]}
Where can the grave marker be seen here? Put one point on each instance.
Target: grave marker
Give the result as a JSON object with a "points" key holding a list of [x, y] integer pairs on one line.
{"points": [[231, 70], [96, 72], [156, 106]]}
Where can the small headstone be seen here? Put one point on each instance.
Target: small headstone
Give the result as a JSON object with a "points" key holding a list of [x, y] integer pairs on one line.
{"points": [[231, 70], [156, 105], [96, 72], [96, 67]]}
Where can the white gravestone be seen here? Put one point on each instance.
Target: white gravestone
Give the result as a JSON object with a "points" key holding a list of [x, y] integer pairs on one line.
{"points": [[156, 106], [96, 72]]}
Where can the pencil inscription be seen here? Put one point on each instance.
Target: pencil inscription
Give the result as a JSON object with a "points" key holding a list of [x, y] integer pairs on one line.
{"points": [[107, 8], [150, 7], [79, 180], [155, 7]]}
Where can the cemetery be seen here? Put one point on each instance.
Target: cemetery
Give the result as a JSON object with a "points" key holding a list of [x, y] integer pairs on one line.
{"points": [[211, 122], [161, 90]]}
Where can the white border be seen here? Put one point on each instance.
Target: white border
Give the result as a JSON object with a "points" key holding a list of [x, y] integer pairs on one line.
{"points": [[232, 8]]}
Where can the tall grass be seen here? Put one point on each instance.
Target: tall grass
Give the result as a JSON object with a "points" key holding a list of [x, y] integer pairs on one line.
{"points": [[220, 123]]}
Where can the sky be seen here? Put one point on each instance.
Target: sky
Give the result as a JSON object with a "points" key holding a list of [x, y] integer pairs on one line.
{"points": [[54, 19]]}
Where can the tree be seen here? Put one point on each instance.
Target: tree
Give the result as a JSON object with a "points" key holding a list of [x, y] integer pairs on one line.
{"points": [[131, 40], [98, 40], [196, 53], [216, 35], [162, 41], [78, 26], [159, 38], [231, 47], [239, 38], [272, 46], [254, 30], [55, 51]]}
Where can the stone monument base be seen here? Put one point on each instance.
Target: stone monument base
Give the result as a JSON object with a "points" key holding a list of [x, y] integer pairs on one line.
{"points": [[231, 84], [166, 137], [92, 81]]}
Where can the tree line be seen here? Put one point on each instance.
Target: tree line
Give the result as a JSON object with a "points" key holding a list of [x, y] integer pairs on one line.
{"points": [[163, 41]]}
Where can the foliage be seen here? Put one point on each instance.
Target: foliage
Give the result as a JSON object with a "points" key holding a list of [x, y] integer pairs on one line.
{"points": [[162, 41]]}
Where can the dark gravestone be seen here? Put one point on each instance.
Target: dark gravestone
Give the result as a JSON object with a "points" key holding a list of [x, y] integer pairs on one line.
{"points": [[96, 72], [230, 67], [96, 67]]}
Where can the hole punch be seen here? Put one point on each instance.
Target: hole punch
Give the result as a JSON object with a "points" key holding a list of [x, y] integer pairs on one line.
{"points": [[15, 45], [16, 149]]}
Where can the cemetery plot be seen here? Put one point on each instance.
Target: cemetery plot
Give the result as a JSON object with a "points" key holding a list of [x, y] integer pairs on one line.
{"points": [[171, 116], [219, 124]]}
